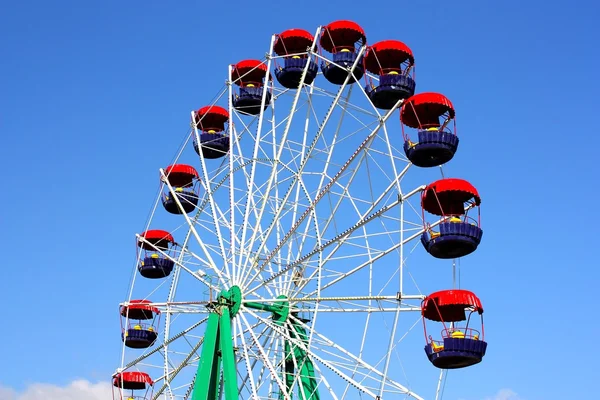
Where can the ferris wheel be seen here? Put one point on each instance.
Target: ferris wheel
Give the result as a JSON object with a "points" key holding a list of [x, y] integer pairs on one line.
{"points": [[275, 263]]}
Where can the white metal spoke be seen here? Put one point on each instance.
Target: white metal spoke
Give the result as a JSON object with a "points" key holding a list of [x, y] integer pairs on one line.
{"points": [[212, 263], [206, 184], [250, 364], [267, 362], [318, 198], [360, 362], [300, 170]]}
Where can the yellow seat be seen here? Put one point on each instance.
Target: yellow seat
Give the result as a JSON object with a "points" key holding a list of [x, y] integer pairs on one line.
{"points": [[412, 144], [250, 85], [179, 189], [137, 327], [436, 347], [297, 57], [475, 337], [393, 73], [432, 129], [212, 131], [455, 219], [433, 234], [345, 51], [457, 335], [150, 329], [154, 255]]}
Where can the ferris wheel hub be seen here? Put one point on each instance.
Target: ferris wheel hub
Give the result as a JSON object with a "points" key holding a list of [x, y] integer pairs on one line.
{"points": [[232, 298]]}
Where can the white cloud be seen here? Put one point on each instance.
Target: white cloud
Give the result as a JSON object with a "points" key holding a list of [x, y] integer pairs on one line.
{"points": [[504, 394], [76, 390], [7, 394]]}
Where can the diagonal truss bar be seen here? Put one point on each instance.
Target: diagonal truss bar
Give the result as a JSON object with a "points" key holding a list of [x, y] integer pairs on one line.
{"points": [[322, 194]]}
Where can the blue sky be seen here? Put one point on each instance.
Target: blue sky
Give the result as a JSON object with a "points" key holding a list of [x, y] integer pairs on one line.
{"points": [[92, 93]]}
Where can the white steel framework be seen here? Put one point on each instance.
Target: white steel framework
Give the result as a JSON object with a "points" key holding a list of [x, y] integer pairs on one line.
{"points": [[312, 202]]}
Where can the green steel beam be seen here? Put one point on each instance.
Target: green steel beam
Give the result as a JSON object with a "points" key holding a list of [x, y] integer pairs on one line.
{"points": [[215, 379], [229, 370], [308, 389], [217, 349], [289, 369], [272, 308], [203, 386], [218, 353]]}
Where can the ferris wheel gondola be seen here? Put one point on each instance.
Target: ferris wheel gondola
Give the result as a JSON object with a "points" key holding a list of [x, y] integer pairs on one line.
{"points": [[344, 40], [459, 235], [157, 250], [139, 324], [249, 76], [461, 346], [209, 123], [393, 62], [292, 45], [433, 115], [184, 179]]}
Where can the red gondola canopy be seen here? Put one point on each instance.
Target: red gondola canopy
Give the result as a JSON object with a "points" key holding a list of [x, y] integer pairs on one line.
{"points": [[139, 309], [448, 196], [293, 41], [387, 54], [249, 71], [159, 238], [181, 175], [421, 108], [211, 117], [342, 34], [132, 380], [450, 305]]}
